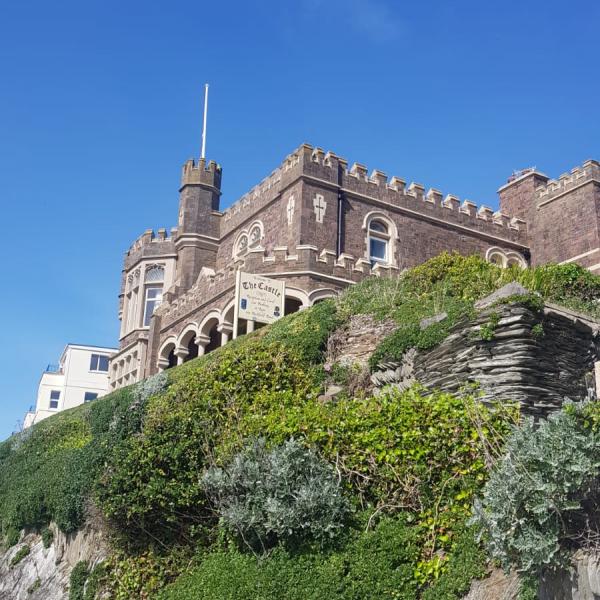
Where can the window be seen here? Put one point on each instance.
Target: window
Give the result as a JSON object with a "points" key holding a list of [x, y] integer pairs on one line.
{"points": [[242, 245], [379, 239], [152, 301], [99, 362], [89, 396], [54, 398], [255, 236]]}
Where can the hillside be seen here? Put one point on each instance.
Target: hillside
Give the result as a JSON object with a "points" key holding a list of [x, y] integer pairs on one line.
{"points": [[271, 469]]}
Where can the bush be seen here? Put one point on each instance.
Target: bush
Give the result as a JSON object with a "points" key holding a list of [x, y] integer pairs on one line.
{"points": [[21, 553], [77, 580], [306, 331], [47, 537], [374, 564], [286, 494], [542, 497], [47, 474], [150, 488]]}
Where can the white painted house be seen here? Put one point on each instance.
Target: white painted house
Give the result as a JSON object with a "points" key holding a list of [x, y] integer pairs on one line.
{"points": [[80, 376]]}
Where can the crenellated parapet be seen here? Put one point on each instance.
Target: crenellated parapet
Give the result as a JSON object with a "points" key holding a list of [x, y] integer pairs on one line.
{"points": [[414, 198], [201, 173], [151, 244], [586, 173]]}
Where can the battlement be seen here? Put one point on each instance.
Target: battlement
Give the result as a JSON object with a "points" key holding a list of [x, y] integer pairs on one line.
{"points": [[589, 171], [149, 237], [413, 197], [200, 173], [314, 162]]}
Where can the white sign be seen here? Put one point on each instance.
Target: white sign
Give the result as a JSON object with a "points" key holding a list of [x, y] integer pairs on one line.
{"points": [[258, 299]]}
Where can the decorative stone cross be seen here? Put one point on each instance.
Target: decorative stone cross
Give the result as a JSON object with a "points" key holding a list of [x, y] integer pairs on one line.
{"points": [[290, 209], [320, 207]]}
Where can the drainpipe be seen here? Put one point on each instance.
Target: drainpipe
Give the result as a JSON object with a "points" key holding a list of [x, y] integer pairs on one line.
{"points": [[340, 216]]}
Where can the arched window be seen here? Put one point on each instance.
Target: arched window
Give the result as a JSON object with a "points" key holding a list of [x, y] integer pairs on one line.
{"points": [[379, 242], [153, 284], [255, 236], [241, 246]]}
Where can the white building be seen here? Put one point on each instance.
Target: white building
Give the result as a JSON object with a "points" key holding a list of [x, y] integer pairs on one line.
{"points": [[81, 376]]}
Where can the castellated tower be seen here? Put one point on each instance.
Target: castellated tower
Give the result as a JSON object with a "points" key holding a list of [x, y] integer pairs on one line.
{"points": [[198, 227], [562, 215]]}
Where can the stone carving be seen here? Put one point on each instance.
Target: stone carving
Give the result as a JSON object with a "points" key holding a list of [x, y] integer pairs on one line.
{"points": [[320, 207], [291, 205]]}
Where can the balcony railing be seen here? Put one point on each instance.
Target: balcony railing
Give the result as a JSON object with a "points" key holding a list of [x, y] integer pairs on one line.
{"points": [[53, 369]]}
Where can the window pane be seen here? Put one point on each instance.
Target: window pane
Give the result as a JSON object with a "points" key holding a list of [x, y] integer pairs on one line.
{"points": [[89, 396], [103, 363], [378, 226], [153, 300], [94, 362], [155, 274], [378, 249], [53, 403], [55, 395]]}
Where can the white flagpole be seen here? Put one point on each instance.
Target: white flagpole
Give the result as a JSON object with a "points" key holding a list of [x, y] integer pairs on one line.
{"points": [[203, 154]]}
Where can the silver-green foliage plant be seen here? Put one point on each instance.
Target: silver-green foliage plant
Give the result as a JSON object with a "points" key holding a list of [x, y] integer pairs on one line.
{"points": [[285, 494], [542, 496]]}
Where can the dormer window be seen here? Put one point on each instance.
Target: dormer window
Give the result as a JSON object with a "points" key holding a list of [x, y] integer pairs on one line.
{"points": [[379, 242]]}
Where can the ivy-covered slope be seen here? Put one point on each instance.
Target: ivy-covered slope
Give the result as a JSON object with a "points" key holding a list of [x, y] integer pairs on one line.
{"points": [[171, 467]]}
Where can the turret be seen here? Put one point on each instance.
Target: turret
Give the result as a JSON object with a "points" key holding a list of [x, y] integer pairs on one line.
{"points": [[198, 228]]}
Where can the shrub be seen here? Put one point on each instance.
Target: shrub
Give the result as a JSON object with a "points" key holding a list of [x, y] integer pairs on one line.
{"points": [[150, 488], [21, 553], [36, 585], [374, 564], [77, 580], [48, 474], [306, 331], [47, 537], [286, 494], [541, 498]]}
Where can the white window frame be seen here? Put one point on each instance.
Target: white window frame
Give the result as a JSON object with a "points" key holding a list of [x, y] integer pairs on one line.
{"points": [[388, 238], [157, 303], [99, 355]]}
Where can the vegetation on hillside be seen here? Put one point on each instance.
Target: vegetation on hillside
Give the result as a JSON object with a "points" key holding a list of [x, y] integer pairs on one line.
{"points": [[175, 466]]}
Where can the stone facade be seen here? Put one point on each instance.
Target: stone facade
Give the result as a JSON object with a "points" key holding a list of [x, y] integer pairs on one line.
{"points": [[322, 226]]}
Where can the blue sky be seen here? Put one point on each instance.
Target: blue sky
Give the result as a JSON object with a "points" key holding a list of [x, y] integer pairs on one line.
{"points": [[100, 104]]}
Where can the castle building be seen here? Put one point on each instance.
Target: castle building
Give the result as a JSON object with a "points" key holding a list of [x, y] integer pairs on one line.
{"points": [[321, 226], [80, 376]]}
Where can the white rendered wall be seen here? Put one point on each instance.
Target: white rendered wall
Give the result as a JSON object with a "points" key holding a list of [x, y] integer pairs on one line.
{"points": [[73, 381]]}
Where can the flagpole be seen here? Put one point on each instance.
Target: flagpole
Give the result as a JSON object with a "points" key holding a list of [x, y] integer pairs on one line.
{"points": [[203, 154]]}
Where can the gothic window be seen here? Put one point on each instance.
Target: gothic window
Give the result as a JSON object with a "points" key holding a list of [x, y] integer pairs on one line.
{"points": [[255, 236], [241, 245], [379, 242]]}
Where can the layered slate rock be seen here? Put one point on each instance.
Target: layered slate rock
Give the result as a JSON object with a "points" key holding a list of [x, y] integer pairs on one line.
{"points": [[539, 359]]}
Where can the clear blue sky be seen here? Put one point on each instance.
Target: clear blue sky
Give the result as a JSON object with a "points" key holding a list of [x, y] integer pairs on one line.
{"points": [[100, 104]]}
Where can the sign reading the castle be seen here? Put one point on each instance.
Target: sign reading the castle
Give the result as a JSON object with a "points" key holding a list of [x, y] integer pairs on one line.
{"points": [[259, 299]]}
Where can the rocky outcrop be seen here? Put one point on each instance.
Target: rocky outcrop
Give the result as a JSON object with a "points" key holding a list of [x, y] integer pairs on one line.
{"points": [[355, 342], [44, 573], [513, 353]]}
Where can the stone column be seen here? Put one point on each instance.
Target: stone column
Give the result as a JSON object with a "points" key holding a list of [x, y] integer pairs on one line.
{"points": [[181, 352], [249, 326], [201, 341], [225, 329], [163, 364]]}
